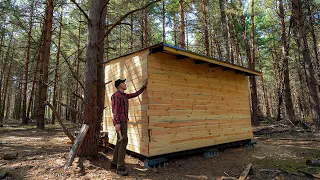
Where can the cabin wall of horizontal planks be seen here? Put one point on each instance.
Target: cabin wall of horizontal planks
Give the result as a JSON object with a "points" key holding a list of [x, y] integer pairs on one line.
{"points": [[194, 105], [133, 68], [186, 105]]}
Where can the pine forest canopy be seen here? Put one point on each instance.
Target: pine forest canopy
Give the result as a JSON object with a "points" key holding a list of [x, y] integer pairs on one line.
{"points": [[52, 51]]}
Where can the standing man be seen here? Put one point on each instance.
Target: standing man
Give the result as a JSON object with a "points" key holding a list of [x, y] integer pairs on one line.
{"points": [[120, 107]]}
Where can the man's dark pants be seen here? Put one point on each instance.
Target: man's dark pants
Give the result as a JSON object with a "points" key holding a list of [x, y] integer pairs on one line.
{"points": [[121, 146]]}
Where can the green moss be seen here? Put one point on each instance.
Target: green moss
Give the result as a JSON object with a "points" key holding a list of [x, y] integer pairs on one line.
{"points": [[292, 165]]}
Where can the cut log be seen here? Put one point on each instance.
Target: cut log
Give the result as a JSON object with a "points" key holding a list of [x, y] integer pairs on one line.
{"points": [[226, 178], [3, 175], [245, 173], [10, 156], [309, 174], [313, 162], [76, 146]]}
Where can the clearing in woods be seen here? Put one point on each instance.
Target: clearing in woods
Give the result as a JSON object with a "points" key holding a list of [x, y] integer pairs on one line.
{"points": [[42, 154]]}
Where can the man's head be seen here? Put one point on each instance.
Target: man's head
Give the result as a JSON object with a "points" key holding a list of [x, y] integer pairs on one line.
{"points": [[120, 84]]}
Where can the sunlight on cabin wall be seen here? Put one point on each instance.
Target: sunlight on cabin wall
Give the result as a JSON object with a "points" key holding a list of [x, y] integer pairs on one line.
{"points": [[134, 69]]}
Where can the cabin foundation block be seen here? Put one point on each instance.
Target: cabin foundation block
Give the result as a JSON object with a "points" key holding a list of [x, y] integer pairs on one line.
{"points": [[210, 153], [155, 163], [250, 145]]}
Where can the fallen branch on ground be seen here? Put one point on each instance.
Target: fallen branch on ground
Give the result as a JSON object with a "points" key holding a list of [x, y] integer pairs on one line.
{"points": [[313, 162], [226, 178], [245, 173], [309, 174]]}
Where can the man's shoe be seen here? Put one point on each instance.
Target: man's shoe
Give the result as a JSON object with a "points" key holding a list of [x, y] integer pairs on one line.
{"points": [[121, 170], [113, 166]]}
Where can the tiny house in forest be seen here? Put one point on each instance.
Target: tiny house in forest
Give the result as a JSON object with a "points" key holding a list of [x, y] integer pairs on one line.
{"points": [[191, 101]]}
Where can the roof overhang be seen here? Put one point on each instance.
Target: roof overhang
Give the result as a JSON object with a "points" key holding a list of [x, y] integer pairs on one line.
{"points": [[181, 53]]}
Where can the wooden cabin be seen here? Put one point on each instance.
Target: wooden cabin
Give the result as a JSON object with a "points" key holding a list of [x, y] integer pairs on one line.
{"points": [[192, 101]]}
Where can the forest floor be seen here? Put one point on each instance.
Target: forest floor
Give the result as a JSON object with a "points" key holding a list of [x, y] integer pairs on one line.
{"points": [[42, 154]]}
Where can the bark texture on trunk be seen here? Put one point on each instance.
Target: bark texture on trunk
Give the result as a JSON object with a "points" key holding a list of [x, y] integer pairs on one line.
{"points": [[5, 90], [163, 22], [182, 25], [206, 28], [56, 73], [224, 26], [312, 84], [287, 90], [24, 117], [3, 67], [265, 93], [93, 103], [175, 29], [314, 39], [36, 66], [145, 28], [251, 64], [231, 57], [45, 57]]}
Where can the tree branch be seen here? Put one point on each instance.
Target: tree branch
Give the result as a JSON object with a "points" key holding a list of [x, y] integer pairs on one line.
{"points": [[65, 130], [124, 16], [69, 65], [84, 13], [123, 23], [72, 109], [77, 95], [104, 6]]}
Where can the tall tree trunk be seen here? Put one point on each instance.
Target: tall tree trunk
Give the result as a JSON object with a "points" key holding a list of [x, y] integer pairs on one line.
{"points": [[287, 90], [175, 29], [131, 34], [24, 105], [251, 64], [303, 81], [314, 39], [3, 67], [36, 66], [68, 103], [78, 69], [145, 28], [252, 79], [182, 26], [142, 29], [301, 74], [224, 27], [1, 45], [8, 110], [244, 33], [18, 98], [45, 57], [163, 22], [231, 57], [312, 85], [120, 40], [6, 85], [277, 77], [93, 103], [56, 73], [206, 28], [218, 46], [265, 94], [74, 98], [238, 52]]}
